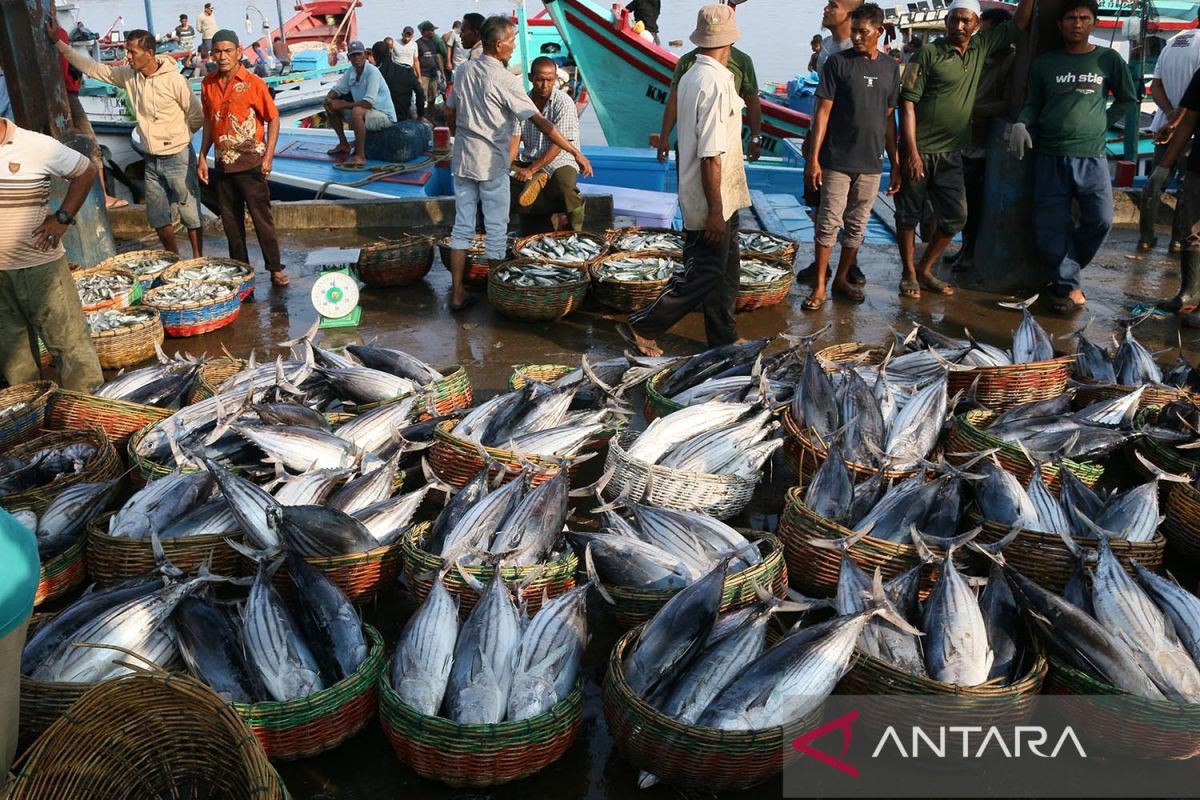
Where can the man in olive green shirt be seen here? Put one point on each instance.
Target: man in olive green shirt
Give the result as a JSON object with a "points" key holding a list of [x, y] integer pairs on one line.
{"points": [[936, 101]]}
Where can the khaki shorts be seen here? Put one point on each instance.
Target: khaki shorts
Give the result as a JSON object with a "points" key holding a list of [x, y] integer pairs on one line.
{"points": [[376, 120]]}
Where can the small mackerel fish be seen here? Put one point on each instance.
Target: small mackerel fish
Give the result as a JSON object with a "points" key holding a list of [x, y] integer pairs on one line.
{"points": [[570, 249], [98, 288]]}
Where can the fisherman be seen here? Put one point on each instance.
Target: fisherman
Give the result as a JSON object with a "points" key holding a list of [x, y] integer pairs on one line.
{"points": [[283, 55], [472, 24], [1069, 129], [1177, 138], [433, 63], [457, 53], [936, 102], [815, 44], [37, 293], [241, 120], [361, 98], [545, 180], [483, 108], [168, 113], [854, 122], [401, 83], [185, 36], [262, 61], [20, 567], [646, 12], [712, 189], [1173, 72], [404, 54], [208, 27]]}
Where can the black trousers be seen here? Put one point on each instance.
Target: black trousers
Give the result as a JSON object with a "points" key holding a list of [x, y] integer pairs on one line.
{"points": [[404, 92], [974, 172], [709, 280], [238, 192]]}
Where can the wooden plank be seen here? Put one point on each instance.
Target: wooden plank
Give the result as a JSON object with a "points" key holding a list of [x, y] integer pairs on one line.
{"points": [[766, 214], [885, 210]]}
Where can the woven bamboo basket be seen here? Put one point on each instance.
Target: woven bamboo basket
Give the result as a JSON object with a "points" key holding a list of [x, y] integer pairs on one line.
{"points": [[720, 496], [131, 344], [112, 559], [196, 318], [628, 295], [456, 460], [22, 425], [545, 581], [753, 295], [104, 465], [1045, 560], [540, 373], [632, 607], [396, 263], [1001, 388], [478, 267], [1182, 523], [70, 410], [212, 374], [620, 239], [536, 239], [537, 303], [835, 355], [968, 435], [785, 249], [1162, 454], [45, 357], [143, 469], [61, 574], [449, 394], [42, 702], [148, 735], [1122, 723], [656, 404], [805, 457], [145, 279], [476, 756], [323, 720], [124, 299], [244, 275], [689, 756], [360, 576], [1087, 392]]}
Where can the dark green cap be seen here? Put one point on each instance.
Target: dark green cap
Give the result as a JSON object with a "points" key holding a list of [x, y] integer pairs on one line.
{"points": [[226, 35]]}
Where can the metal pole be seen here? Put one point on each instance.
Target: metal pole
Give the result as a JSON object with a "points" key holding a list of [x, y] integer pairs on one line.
{"points": [[523, 39], [279, 11], [149, 17]]}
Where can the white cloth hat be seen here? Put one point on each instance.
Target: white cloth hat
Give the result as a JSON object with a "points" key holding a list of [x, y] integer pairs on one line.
{"points": [[969, 5]]}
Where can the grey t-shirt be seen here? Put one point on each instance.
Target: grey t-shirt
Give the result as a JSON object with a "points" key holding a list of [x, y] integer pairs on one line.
{"points": [[831, 47], [862, 90]]}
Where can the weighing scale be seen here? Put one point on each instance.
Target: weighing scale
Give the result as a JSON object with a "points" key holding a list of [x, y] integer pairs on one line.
{"points": [[335, 294]]}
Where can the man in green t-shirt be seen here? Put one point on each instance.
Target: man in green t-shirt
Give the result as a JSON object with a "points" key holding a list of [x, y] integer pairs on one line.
{"points": [[936, 101], [1065, 116]]}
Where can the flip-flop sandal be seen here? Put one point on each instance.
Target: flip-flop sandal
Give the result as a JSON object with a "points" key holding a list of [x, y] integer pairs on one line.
{"points": [[938, 286], [1065, 306], [812, 303], [626, 333], [472, 299], [910, 289], [350, 167], [853, 294], [279, 279]]}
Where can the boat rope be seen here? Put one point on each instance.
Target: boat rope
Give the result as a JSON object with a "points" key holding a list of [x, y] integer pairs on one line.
{"points": [[388, 170]]}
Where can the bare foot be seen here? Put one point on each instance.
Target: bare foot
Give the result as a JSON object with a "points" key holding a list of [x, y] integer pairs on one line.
{"points": [[356, 161], [279, 279], [648, 347], [341, 151]]}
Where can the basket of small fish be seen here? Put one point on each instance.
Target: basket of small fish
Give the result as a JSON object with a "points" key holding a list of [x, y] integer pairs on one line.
{"points": [[760, 243], [23, 411], [396, 263], [639, 239], [211, 270], [106, 287], [627, 281], [148, 735], [721, 373], [697, 699], [35, 472], [124, 337], [190, 309], [146, 265], [536, 373], [564, 248], [488, 699], [478, 267], [706, 458], [596, 379], [765, 281], [537, 291], [118, 419]]}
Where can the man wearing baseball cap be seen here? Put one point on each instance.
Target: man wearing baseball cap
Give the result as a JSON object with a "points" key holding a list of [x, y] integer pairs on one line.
{"points": [[936, 101], [712, 189], [431, 61], [360, 97]]}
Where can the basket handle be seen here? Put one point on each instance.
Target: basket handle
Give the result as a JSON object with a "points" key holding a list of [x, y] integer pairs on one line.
{"points": [[152, 668]]}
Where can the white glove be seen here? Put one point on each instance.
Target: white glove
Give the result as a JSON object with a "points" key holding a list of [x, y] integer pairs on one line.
{"points": [[1156, 184], [1019, 140]]}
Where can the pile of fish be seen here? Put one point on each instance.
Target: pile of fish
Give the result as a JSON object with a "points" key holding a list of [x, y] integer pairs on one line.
{"points": [[497, 665], [733, 373], [537, 275], [68, 514], [1130, 364], [645, 241], [1049, 430], [150, 265], [763, 242], [100, 287], [713, 438], [638, 268], [43, 467], [174, 294], [1030, 343], [110, 319], [758, 272], [600, 379], [165, 384], [572, 249], [1175, 424], [226, 271]]}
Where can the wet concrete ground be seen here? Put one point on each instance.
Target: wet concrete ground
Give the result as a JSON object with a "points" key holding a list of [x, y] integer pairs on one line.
{"points": [[414, 318]]}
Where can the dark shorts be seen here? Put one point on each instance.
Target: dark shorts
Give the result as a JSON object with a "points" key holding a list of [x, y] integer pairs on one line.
{"points": [[943, 187]]}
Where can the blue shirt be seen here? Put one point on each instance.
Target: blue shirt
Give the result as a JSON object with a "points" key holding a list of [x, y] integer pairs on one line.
{"points": [[6, 109], [370, 87], [20, 572]]}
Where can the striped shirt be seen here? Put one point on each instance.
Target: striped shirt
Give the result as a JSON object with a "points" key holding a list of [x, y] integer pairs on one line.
{"points": [[27, 162], [560, 110]]}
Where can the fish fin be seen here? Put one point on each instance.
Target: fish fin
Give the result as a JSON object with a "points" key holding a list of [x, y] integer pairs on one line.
{"points": [[161, 562], [594, 577], [620, 501], [434, 482], [845, 543], [251, 553], [309, 336], [470, 579], [590, 374], [1021, 305], [881, 606], [952, 543], [159, 354], [994, 551], [804, 338], [594, 488], [923, 552], [1158, 473]]}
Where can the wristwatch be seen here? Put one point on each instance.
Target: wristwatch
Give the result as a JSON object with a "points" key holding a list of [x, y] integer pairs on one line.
{"points": [[64, 218], [755, 140]]}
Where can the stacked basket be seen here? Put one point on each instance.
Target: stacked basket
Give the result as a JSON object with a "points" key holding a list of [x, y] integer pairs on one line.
{"points": [[112, 559], [805, 457], [1182, 524], [123, 299], [478, 267], [136, 262], [968, 435], [197, 317], [130, 344], [537, 303], [537, 373], [1001, 388], [398, 263], [118, 419], [456, 460]]}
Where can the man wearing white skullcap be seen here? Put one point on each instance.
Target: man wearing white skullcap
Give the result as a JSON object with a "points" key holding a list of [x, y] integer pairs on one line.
{"points": [[936, 101]]}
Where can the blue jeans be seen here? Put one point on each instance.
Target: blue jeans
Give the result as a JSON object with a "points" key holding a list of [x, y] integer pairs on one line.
{"points": [[171, 180], [1066, 246], [493, 196]]}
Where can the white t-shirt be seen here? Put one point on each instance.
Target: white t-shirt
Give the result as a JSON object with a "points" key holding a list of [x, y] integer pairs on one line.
{"points": [[828, 48], [27, 162], [404, 54], [710, 124], [1176, 65]]}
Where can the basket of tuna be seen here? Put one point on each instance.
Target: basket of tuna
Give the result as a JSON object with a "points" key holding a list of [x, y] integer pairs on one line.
{"points": [[1182, 523], [537, 291], [760, 243], [106, 287], [34, 473], [478, 266], [191, 309], [628, 281], [491, 699], [396, 263], [1127, 681], [212, 270], [1103, 375], [447, 390], [1167, 437], [514, 528], [696, 698], [695, 379], [118, 419], [705, 458], [639, 239], [124, 337], [564, 248], [765, 281], [146, 265], [23, 410], [61, 534]]}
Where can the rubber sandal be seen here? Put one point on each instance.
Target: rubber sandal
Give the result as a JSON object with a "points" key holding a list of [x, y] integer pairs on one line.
{"points": [[472, 299], [1065, 306], [938, 286], [812, 303], [910, 289], [530, 194], [279, 279], [626, 333]]}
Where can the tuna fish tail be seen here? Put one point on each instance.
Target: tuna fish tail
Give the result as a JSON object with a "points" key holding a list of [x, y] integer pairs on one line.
{"points": [[594, 576], [1020, 305], [881, 606], [1158, 473], [844, 544]]}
